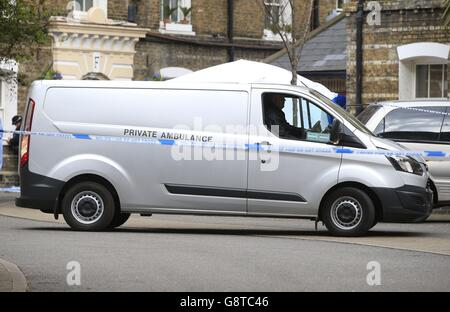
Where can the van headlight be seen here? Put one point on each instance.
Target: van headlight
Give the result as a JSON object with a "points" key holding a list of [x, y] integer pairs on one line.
{"points": [[406, 164]]}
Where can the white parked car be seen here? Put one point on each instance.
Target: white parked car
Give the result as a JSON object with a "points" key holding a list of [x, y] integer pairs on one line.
{"points": [[421, 125]]}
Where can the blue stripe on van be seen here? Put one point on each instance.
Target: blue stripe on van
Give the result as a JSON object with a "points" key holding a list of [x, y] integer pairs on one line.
{"points": [[435, 154], [82, 136], [344, 151], [166, 142]]}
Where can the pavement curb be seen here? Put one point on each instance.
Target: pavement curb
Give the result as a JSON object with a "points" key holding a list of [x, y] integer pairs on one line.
{"points": [[19, 282]]}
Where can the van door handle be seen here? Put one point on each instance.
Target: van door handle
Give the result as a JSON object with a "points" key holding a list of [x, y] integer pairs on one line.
{"points": [[267, 143]]}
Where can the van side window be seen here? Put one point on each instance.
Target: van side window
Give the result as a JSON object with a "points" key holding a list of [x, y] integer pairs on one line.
{"points": [[296, 118], [445, 133], [414, 124]]}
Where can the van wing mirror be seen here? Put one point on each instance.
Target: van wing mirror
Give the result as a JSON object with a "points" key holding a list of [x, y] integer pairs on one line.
{"points": [[335, 132], [341, 135]]}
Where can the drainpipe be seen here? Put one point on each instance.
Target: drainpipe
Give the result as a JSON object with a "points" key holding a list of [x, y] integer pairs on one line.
{"points": [[359, 55], [230, 31]]}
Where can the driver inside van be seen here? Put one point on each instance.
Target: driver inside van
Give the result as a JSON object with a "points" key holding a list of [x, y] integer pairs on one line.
{"points": [[274, 117]]}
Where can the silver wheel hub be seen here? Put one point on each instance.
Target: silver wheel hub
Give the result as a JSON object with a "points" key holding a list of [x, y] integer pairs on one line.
{"points": [[87, 207], [346, 213]]}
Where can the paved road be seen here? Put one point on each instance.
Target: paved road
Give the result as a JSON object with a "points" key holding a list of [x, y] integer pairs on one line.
{"points": [[185, 253]]}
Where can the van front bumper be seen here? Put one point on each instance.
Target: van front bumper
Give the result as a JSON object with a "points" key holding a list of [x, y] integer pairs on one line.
{"points": [[38, 191], [405, 204]]}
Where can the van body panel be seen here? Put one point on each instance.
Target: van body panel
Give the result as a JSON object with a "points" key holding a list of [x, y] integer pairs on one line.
{"points": [[140, 182], [104, 167], [371, 172]]}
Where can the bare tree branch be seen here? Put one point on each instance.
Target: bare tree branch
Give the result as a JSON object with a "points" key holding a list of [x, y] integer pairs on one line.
{"points": [[293, 41]]}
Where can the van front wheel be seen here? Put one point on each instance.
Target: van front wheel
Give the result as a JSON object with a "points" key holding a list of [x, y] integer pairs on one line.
{"points": [[119, 219], [348, 211], [88, 206]]}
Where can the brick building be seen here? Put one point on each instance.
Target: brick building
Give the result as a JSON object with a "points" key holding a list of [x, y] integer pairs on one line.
{"points": [[206, 38], [405, 57]]}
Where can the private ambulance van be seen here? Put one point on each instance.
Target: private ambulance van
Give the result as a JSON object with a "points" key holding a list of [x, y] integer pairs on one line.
{"points": [[98, 151]]}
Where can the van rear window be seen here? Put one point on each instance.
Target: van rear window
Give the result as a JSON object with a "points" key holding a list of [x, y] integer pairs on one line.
{"points": [[366, 114]]}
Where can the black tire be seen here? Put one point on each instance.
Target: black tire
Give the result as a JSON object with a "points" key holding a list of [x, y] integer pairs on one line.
{"points": [[119, 219], [93, 207], [348, 211]]}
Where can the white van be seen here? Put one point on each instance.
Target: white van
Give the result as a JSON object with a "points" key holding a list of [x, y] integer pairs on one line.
{"points": [[106, 149]]}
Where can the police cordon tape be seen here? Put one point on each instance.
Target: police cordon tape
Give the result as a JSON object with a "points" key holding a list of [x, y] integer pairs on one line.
{"points": [[12, 189], [257, 146], [416, 109]]}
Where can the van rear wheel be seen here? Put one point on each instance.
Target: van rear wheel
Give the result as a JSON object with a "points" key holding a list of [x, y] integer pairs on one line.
{"points": [[348, 211], [88, 206]]}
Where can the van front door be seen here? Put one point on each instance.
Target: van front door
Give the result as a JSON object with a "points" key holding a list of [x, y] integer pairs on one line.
{"points": [[283, 182]]}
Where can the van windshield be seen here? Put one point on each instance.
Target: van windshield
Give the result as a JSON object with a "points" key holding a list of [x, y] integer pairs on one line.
{"points": [[342, 112]]}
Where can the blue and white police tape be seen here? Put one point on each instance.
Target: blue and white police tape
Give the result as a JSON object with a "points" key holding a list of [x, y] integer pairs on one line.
{"points": [[417, 109], [12, 189], [258, 147]]}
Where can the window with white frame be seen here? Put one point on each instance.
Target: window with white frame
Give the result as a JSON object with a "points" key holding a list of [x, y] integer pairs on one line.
{"points": [[272, 16], [340, 5], [278, 17], [84, 5], [8, 93], [278, 12], [2, 99], [431, 80], [3, 107], [176, 11]]}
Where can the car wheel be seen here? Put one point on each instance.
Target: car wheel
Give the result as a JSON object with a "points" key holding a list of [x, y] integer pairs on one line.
{"points": [[348, 211], [119, 219], [88, 206]]}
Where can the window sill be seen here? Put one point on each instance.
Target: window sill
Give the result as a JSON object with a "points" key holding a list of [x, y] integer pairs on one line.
{"points": [[430, 99], [270, 36], [175, 28], [79, 15]]}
